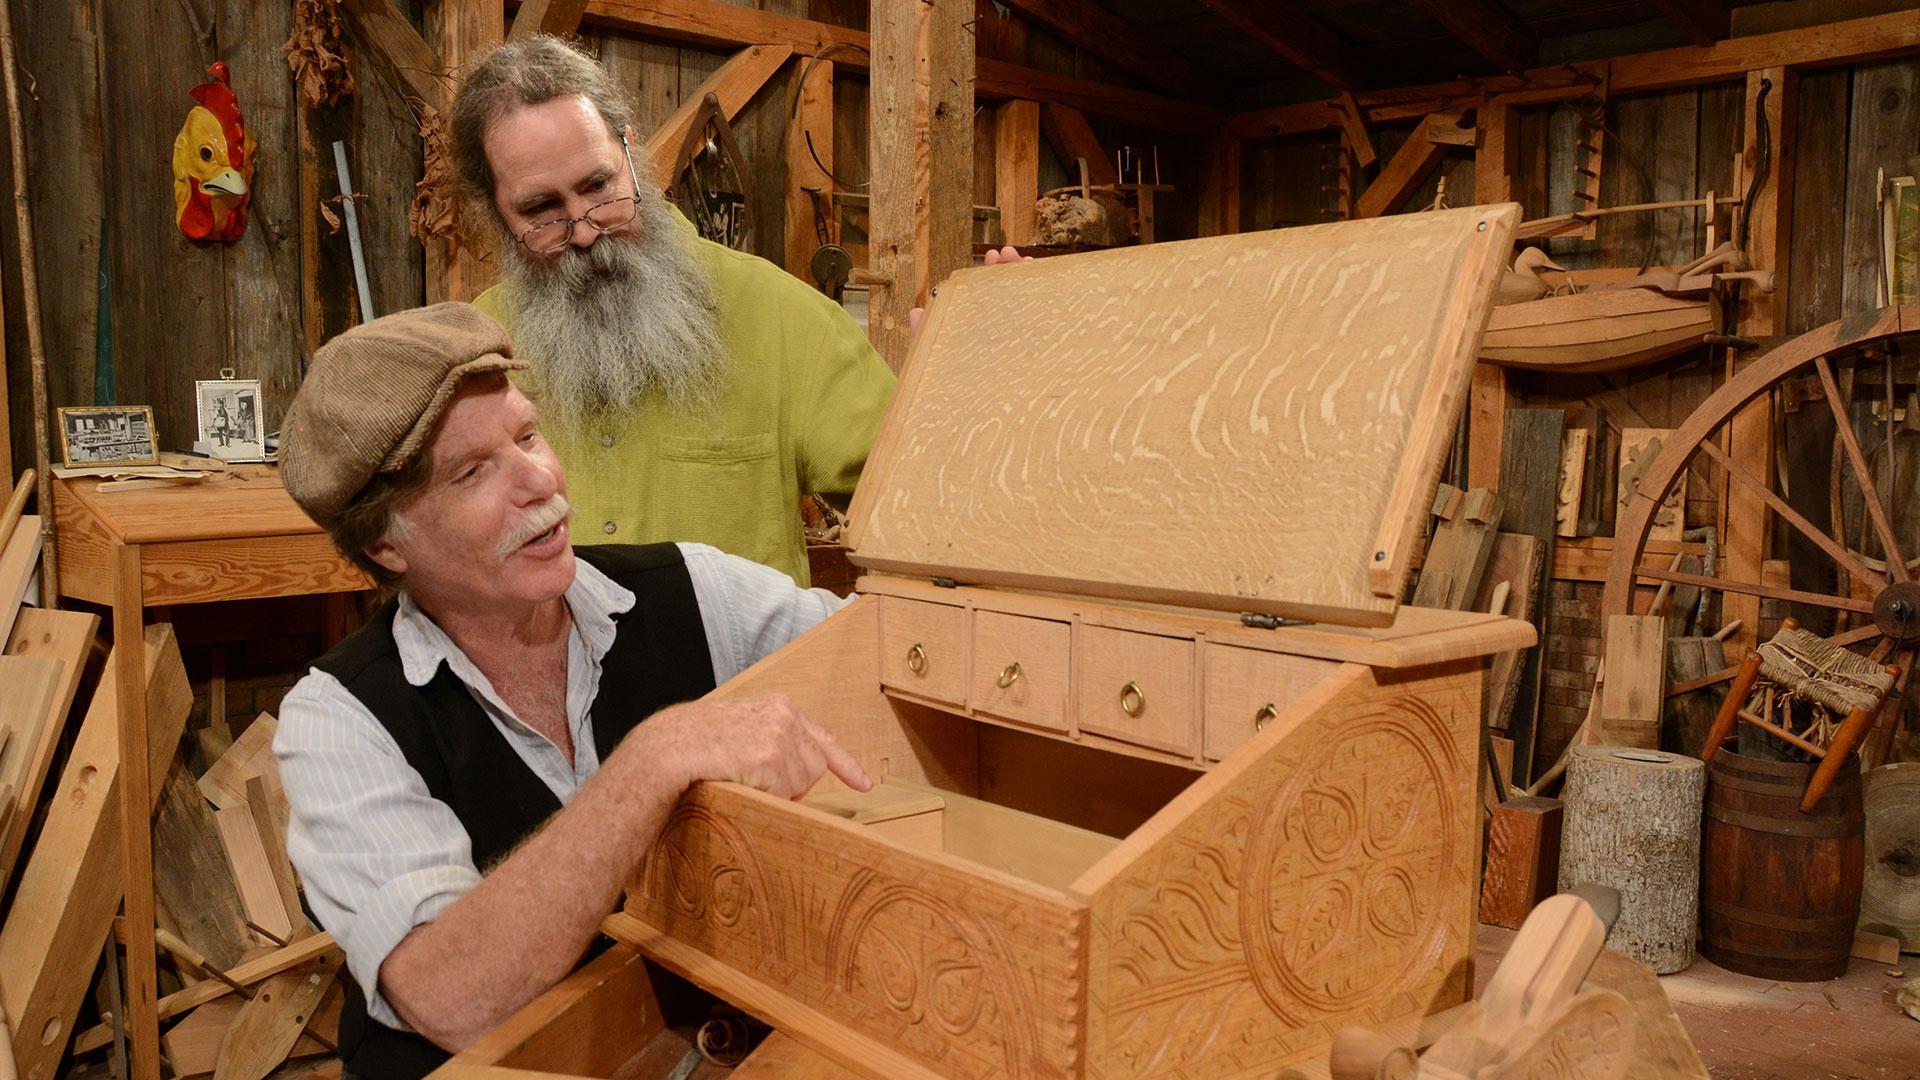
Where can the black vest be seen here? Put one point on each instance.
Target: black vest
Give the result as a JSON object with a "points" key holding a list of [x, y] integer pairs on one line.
{"points": [[659, 658]]}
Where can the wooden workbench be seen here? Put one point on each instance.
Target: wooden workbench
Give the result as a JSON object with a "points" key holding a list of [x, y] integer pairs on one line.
{"points": [[236, 537]]}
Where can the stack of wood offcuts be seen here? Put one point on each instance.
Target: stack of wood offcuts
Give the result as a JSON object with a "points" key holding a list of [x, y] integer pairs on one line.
{"points": [[247, 984]]}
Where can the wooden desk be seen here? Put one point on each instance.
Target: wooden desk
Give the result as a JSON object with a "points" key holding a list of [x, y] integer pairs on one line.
{"points": [[239, 537]]}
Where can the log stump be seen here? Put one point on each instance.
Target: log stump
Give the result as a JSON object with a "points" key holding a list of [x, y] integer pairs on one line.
{"points": [[1633, 823]]}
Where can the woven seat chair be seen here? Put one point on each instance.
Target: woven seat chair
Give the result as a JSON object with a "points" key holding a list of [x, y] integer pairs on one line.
{"points": [[1796, 663]]}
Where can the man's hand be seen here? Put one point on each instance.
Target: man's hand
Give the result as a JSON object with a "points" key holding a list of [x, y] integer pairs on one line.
{"points": [[994, 258], [764, 742]]}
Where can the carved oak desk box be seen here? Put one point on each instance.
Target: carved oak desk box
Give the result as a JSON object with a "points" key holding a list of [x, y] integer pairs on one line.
{"points": [[1128, 825]]}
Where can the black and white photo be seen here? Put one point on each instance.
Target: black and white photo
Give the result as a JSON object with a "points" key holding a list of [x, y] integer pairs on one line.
{"points": [[107, 435], [229, 419]]}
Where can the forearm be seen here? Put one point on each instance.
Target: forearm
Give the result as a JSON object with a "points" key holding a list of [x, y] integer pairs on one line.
{"points": [[527, 922]]}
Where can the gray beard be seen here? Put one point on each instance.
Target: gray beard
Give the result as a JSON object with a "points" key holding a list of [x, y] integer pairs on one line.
{"points": [[631, 316]]}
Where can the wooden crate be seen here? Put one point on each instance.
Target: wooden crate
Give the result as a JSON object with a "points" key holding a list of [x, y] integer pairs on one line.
{"points": [[1122, 830]]}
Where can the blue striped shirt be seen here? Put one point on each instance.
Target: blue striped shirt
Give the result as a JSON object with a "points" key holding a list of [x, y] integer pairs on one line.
{"points": [[377, 854]]}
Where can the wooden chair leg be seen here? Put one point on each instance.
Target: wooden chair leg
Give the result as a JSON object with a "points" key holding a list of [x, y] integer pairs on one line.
{"points": [[1729, 713], [1853, 730]]}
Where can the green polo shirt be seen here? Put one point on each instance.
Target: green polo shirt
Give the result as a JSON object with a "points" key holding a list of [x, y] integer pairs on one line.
{"points": [[800, 408]]}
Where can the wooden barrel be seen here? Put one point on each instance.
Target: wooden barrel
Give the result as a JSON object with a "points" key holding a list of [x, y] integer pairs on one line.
{"points": [[1779, 889]]}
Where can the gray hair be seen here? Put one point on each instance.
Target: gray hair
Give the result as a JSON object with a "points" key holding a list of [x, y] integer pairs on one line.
{"points": [[516, 75]]}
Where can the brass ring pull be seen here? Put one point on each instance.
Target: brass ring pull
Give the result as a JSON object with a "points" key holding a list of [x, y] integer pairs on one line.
{"points": [[1008, 675], [1133, 700], [1266, 713], [917, 659]]}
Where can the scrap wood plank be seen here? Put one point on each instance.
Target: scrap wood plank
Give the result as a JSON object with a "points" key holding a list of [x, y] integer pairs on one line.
{"points": [[270, 1022], [1530, 484], [19, 556], [193, 883], [193, 1045], [1573, 475], [1517, 562], [1462, 543], [268, 805], [1523, 859], [1638, 448], [225, 781], [64, 636], [71, 885], [1634, 693], [246, 974], [29, 686], [253, 875]]}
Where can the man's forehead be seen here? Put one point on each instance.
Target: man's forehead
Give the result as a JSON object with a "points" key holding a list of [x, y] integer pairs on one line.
{"points": [[480, 408]]}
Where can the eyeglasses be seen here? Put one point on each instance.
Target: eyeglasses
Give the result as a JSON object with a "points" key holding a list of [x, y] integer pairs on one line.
{"points": [[550, 236]]}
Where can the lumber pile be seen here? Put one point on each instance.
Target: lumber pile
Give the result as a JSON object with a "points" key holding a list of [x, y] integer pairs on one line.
{"points": [[227, 900]]}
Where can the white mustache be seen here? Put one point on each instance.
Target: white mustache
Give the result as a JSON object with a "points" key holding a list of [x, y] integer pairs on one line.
{"points": [[538, 520]]}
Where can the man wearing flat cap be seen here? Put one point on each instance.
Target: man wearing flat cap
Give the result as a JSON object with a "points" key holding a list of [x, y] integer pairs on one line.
{"points": [[470, 779]]}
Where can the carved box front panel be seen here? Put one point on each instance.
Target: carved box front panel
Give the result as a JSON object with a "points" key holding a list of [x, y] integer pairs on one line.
{"points": [[966, 971]]}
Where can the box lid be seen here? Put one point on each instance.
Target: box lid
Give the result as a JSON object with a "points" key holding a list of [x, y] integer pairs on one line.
{"points": [[1247, 423]]}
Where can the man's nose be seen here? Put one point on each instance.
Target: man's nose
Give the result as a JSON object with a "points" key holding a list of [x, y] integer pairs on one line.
{"points": [[582, 234], [539, 477]]}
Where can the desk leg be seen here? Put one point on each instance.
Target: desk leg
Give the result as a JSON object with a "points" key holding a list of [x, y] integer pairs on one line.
{"points": [[136, 816]]}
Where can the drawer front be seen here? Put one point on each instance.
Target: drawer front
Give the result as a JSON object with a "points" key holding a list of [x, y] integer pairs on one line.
{"points": [[1137, 687], [1246, 688], [923, 649], [1020, 668]]}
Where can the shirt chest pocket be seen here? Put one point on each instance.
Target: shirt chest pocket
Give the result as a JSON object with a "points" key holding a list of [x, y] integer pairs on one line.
{"points": [[728, 492]]}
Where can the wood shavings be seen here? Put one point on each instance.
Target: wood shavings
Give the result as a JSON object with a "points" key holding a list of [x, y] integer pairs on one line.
{"points": [[317, 54]]}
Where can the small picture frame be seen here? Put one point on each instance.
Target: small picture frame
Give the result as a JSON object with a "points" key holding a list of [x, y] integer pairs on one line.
{"points": [[229, 419], [107, 435]]}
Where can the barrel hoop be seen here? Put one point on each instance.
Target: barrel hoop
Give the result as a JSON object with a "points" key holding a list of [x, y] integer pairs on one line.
{"points": [[1790, 788], [1817, 827], [1811, 924]]}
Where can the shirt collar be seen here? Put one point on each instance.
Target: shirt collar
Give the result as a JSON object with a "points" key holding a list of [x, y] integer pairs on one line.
{"points": [[594, 599]]}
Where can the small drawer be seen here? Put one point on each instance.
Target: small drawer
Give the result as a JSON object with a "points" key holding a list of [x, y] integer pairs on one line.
{"points": [[923, 648], [1020, 668], [1247, 688], [1137, 687]]}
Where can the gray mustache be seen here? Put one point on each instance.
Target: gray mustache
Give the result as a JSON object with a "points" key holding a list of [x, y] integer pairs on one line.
{"points": [[539, 520]]}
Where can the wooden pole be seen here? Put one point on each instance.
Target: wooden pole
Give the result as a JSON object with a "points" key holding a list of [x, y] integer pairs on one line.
{"points": [[30, 298]]}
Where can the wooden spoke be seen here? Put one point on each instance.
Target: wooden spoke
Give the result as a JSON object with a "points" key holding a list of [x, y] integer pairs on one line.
{"points": [[1794, 517], [1888, 722], [1843, 429], [1773, 592]]}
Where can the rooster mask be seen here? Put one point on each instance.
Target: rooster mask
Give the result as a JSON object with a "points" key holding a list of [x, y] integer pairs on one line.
{"points": [[213, 164]]}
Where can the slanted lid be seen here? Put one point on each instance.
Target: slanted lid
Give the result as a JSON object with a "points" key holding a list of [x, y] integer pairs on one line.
{"points": [[1248, 423]]}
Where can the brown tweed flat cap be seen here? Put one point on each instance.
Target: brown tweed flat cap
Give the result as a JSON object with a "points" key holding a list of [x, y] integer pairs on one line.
{"points": [[372, 395]]}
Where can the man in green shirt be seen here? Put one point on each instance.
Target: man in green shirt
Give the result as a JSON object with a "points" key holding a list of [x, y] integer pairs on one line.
{"points": [[693, 392]]}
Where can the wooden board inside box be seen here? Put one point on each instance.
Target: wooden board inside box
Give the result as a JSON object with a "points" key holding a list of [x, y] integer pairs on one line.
{"points": [[1121, 833]]}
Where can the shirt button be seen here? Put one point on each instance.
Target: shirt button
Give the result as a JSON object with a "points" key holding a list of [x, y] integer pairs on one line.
{"points": [[606, 440], [608, 528]]}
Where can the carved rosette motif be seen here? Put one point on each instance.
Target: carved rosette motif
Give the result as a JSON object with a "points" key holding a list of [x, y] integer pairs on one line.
{"points": [[943, 983], [704, 876], [1343, 872]]}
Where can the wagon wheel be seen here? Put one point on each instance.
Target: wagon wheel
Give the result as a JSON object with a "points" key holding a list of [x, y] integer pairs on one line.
{"points": [[1881, 595]]}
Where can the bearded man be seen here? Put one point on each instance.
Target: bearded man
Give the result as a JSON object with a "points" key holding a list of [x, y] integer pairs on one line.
{"points": [[475, 774], [693, 392]]}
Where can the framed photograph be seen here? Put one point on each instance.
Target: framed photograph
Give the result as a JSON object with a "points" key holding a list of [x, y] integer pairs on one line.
{"points": [[229, 412], [108, 435]]}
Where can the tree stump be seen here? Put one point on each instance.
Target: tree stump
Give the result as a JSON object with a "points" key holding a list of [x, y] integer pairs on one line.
{"points": [[1633, 823]]}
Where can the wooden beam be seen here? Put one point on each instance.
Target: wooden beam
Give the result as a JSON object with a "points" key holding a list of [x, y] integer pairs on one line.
{"points": [[1016, 170], [1486, 425], [1220, 193], [809, 166], [1496, 161], [1402, 172], [1291, 33], [920, 144], [561, 18], [1071, 138], [1487, 29], [1703, 21], [741, 77], [711, 22], [459, 31], [1853, 41], [1769, 233], [1112, 38], [397, 51]]}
